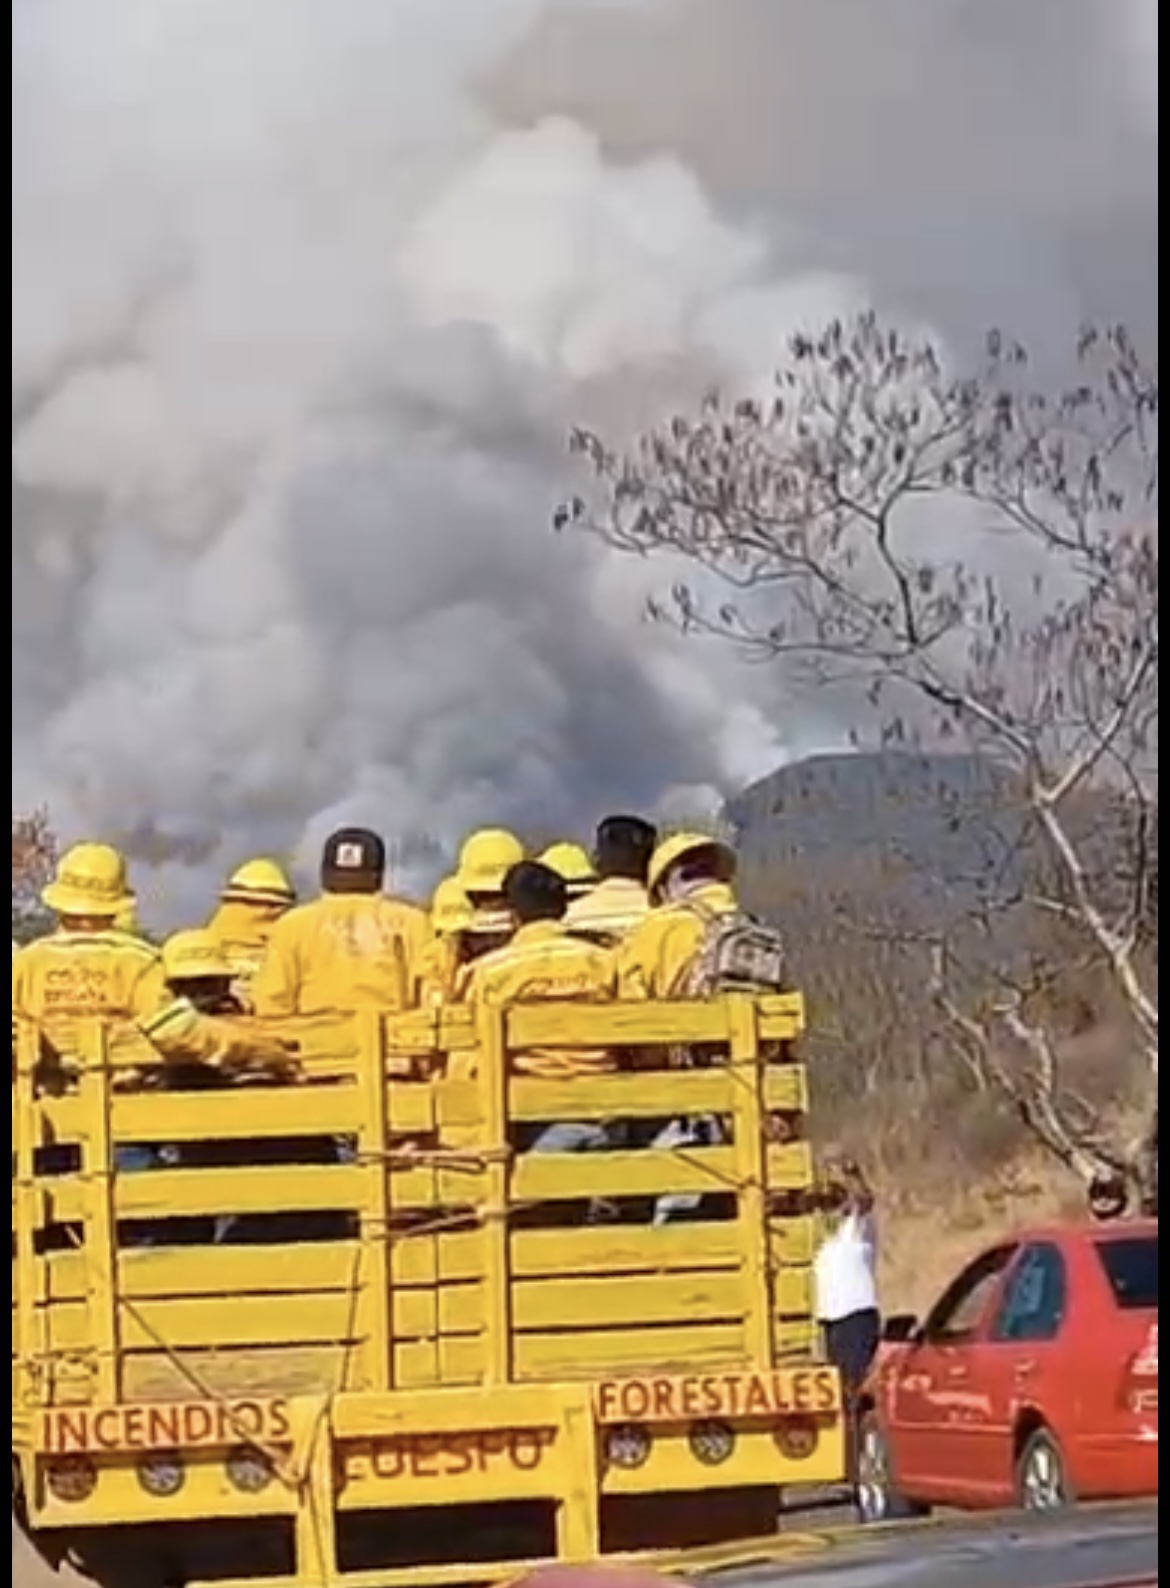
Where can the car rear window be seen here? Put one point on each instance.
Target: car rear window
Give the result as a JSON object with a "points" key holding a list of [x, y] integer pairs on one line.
{"points": [[1131, 1267]]}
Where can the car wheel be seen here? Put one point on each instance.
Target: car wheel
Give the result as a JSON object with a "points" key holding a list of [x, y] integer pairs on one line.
{"points": [[876, 1496], [1041, 1477]]}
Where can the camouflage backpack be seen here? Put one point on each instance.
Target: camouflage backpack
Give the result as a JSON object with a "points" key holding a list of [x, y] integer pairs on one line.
{"points": [[737, 954]]}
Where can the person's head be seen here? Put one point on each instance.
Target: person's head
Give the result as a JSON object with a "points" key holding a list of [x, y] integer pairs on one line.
{"points": [[534, 892], [687, 861], [485, 860], [196, 969], [353, 861], [451, 912], [623, 848], [90, 888], [262, 885], [572, 863]]}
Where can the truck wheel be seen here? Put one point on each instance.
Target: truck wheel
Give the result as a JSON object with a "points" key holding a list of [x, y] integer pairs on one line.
{"points": [[1041, 1476], [876, 1496]]}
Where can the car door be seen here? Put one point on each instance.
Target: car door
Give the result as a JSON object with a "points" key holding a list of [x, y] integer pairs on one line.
{"points": [[1017, 1364], [927, 1400]]}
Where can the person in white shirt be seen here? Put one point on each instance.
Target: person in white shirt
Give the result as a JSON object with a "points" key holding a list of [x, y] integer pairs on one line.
{"points": [[619, 902], [845, 1277]]}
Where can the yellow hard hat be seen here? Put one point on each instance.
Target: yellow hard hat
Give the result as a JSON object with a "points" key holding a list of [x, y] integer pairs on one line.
{"points": [[259, 881], [486, 859], [193, 956], [90, 880], [570, 862], [451, 910], [679, 846]]}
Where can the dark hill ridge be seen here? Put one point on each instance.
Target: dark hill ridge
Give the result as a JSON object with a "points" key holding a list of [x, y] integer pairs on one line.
{"points": [[924, 838], [934, 833]]}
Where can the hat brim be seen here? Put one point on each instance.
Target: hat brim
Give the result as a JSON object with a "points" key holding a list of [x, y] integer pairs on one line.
{"points": [[256, 896], [63, 900]]}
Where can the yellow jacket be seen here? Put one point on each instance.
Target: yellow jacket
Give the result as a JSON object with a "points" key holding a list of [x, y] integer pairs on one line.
{"points": [[542, 963], [438, 973], [614, 908], [242, 932], [340, 952], [183, 1034], [654, 960], [68, 977]]}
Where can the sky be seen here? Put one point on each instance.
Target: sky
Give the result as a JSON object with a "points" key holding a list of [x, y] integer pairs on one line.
{"points": [[306, 297]]}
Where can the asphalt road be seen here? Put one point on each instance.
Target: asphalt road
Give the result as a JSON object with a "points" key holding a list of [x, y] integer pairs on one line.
{"points": [[1091, 1548], [1085, 1548]]}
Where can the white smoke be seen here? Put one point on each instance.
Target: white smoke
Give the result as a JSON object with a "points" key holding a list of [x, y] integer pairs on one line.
{"points": [[305, 296]]}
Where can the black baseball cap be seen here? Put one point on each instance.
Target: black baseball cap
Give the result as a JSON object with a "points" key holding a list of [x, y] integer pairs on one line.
{"points": [[355, 851]]}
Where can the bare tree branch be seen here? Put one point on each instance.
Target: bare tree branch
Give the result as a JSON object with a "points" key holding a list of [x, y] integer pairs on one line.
{"points": [[972, 560]]}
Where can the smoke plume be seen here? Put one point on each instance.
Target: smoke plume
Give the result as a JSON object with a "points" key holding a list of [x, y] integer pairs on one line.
{"points": [[306, 294]]}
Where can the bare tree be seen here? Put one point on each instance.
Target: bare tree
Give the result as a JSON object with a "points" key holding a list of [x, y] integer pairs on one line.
{"points": [[976, 559], [34, 854]]}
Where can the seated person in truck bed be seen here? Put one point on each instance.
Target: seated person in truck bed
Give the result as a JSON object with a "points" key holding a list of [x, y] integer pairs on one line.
{"points": [[544, 962], [253, 899], [619, 900], [87, 968], [690, 882]]}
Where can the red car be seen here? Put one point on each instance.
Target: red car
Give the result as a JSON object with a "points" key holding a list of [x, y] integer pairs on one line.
{"points": [[1033, 1381]]}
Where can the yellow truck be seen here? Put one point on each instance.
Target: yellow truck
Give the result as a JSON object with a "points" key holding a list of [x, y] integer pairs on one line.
{"points": [[344, 1331]]}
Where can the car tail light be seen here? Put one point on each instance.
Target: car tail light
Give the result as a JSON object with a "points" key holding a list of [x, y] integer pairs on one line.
{"points": [[1141, 1375]]}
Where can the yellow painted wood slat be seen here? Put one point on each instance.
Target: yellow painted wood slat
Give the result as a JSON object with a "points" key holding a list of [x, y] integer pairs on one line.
{"points": [[548, 1178], [535, 1178], [414, 1107], [176, 1193], [576, 1357], [423, 1260], [646, 1025], [218, 1322]]}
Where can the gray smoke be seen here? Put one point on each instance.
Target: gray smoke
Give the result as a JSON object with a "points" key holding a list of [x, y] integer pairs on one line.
{"points": [[305, 296]]}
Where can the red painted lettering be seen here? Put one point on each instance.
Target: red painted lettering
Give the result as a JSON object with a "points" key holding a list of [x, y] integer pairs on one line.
{"points": [[427, 1458], [72, 1430]]}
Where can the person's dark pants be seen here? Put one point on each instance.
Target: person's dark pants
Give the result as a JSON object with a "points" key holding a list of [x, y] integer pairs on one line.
{"points": [[851, 1344]]}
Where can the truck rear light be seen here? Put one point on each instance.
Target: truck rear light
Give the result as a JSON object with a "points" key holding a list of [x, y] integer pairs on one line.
{"points": [[162, 1476], [628, 1447], [1140, 1382], [250, 1471], [711, 1443], [796, 1438], [71, 1480]]}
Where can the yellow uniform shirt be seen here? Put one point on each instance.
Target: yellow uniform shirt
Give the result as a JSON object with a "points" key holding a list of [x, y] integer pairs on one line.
{"points": [[543, 963], [613, 909], [341, 952], [654, 960]]}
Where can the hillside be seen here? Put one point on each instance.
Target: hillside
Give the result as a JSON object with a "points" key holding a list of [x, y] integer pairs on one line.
{"points": [[937, 834]]}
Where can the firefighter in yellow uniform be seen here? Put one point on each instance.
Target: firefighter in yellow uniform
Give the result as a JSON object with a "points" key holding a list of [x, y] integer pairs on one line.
{"points": [[89, 969], [485, 860], [254, 898], [690, 879], [619, 901], [353, 948], [200, 977], [452, 918], [542, 962]]}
